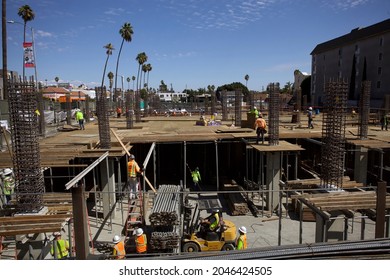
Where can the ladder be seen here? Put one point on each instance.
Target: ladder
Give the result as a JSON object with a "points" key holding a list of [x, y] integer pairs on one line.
{"points": [[135, 218]]}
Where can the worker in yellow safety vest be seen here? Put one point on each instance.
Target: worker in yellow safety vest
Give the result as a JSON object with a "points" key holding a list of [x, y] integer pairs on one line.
{"points": [[214, 221], [61, 249], [8, 184], [140, 241], [118, 250], [241, 240]]}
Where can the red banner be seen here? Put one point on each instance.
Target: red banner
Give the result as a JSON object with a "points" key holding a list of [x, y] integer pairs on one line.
{"points": [[29, 60]]}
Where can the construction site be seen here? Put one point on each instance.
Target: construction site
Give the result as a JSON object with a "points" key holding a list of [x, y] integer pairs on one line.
{"points": [[305, 193]]}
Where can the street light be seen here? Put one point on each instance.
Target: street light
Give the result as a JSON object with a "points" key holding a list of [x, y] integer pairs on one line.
{"points": [[33, 43]]}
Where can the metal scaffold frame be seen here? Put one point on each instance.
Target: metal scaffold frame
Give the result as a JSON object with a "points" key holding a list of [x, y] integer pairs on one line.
{"points": [[237, 108]]}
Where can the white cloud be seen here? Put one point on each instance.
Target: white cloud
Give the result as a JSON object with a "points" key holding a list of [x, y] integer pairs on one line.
{"points": [[344, 4], [114, 11]]}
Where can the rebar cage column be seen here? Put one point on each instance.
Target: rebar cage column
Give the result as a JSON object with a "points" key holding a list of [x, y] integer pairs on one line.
{"points": [[364, 109], [333, 134], [273, 114], [29, 182], [103, 121], [237, 108]]}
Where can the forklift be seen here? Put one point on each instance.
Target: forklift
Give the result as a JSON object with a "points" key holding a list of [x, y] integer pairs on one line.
{"points": [[197, 238]]}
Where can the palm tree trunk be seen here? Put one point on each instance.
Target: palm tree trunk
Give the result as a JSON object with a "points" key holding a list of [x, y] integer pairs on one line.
{"points": [[117, 65], [4, 46], [104, 71]]}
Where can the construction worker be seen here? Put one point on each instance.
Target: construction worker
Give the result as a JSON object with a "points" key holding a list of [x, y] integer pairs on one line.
{"points": [[8, 184], [310, 118], [118, 250], [260, 127], [214, 222], [61, 250], [133, 170], [196, 179], [255, 111], [80, 118], [140, 241], [241, 240], [118, 112]]}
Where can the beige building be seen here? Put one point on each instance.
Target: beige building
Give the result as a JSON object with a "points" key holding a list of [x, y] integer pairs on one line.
{"points": [[362, 53]]}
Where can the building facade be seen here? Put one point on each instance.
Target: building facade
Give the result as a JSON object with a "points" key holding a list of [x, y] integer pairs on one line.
{"points": [[362, 54]]}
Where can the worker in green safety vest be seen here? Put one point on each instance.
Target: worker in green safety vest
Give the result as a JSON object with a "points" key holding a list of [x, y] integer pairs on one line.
{"points": [[60, 247]]}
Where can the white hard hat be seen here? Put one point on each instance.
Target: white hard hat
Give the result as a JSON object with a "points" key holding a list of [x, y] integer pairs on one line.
{"points": [[7, 171], [310, 108], [132, 156], [138, 232], [242, 229], [254, 107], [57, 233], [116, 239]]}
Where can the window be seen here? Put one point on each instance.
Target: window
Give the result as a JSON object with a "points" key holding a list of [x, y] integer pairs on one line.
{"points": [[379, 70]]}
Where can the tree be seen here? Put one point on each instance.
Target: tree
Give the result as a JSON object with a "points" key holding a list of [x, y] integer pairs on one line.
{"points": [[128, 83], [56, 79], [133, 79], [246, 80], [4, 46], [141, 58], [126, 33], [110, 76], [149, 68], [27, 14], [109, 48]]}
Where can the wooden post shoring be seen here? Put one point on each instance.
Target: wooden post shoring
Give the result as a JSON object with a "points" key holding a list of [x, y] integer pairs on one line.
{"points": [[380, 210]]}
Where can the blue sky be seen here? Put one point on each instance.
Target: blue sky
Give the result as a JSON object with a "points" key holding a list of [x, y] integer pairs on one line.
{"points": [[189, 43]]}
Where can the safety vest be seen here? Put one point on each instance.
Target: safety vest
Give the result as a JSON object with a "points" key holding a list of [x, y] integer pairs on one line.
{"points": [[195, 176], [9, 185], [260, 123], [215, 224], [133, 168], [140, 243], [79, 116], [119, 250], [241, 242], [62, 248]]}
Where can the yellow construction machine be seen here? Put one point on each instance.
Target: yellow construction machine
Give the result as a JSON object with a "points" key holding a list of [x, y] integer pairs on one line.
{"points": [[200, 239]]}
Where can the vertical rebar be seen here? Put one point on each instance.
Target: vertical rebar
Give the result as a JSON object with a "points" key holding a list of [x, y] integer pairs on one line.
{"points": [[273, 114], [333, 134], [68, 109], [224, 105], [29, 182], [103, 120], [137, 108], [364, 109], [129, 110], [237, 108]]}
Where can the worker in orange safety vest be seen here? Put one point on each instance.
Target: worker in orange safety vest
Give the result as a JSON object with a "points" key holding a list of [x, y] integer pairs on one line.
{"points": [[140, 241], [118, 250]]}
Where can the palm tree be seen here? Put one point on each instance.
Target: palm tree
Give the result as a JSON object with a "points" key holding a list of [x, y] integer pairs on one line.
{"points": [[4, 46], [246, 79], [126, 32], [149, 68], [133, 78], [56, 79], [109, 48], [27, 14], [141, 58], [144, 69], [110, 76], [128, 83]]}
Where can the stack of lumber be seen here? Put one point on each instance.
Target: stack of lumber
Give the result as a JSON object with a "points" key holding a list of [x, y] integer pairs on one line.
{"points": [[236, 201]]}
